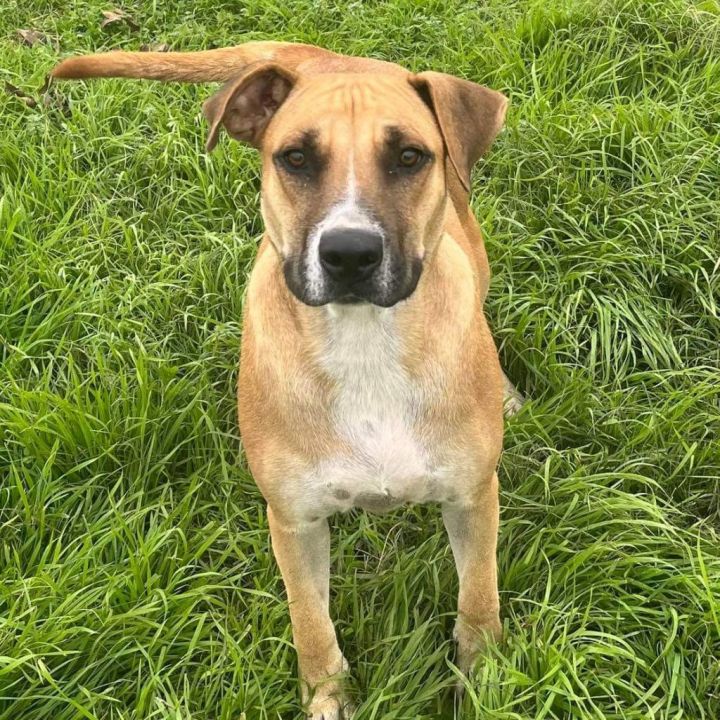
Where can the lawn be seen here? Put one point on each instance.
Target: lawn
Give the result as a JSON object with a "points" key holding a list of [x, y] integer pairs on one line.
{"points": [[136, 579]]}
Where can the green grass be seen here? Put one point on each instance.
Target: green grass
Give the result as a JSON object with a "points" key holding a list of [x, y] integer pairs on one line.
{"points": [[136, 579]]}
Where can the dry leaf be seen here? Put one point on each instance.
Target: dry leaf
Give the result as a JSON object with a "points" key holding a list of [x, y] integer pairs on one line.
{"points": [[33, 37], [21, 95], [115, 16], [155, 47]]}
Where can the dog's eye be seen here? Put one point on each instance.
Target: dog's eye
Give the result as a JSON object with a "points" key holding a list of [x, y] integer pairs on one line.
{"points": [[295, 159], [410, 157]]}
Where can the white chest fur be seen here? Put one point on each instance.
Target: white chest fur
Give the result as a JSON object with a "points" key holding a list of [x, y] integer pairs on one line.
{"points": [[384, 462]]}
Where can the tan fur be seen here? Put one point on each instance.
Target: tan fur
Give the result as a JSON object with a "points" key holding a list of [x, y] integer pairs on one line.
{"points": [[441, 399], [211, 65]]}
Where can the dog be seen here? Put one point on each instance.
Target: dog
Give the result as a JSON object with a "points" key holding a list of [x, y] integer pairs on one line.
{"points": [[368, 375]]}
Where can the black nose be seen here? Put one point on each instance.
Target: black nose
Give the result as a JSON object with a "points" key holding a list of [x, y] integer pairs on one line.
{"points": [[350, 254]]}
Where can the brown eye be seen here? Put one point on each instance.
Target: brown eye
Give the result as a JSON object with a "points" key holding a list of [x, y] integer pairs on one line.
{"points": [[410, 157], [295, 159]]}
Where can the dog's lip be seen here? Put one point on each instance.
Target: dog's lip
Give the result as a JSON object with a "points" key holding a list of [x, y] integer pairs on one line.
{"points": [[350, 299]]}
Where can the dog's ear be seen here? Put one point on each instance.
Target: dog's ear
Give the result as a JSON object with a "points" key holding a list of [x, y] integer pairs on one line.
{"points": [[469, 116], [246, 103]]}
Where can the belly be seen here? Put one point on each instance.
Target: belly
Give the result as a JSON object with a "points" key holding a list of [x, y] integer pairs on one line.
{"points": [[383, 466]]}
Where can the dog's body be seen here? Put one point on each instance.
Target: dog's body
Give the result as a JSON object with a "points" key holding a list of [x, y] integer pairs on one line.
{"points": [[371, 407], [368, 376]]}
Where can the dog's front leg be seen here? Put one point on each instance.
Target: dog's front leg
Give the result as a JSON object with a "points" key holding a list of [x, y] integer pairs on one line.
{"points": [[472, 529], [303, 554]]}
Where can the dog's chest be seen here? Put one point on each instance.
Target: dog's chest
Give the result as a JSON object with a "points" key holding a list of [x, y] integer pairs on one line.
{"points": [[384, 459]]}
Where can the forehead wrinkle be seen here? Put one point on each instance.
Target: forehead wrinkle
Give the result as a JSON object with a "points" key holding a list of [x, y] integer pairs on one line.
{"points": [[353, 106], [327, 94], [351, 93]]}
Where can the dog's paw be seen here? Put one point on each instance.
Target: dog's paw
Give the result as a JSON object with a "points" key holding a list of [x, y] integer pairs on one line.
{"points": [[327, 698], [330, 708], [513, 399], [472, 641]]}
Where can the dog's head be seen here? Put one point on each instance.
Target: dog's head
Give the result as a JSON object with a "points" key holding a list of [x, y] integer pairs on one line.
{"points": [[354, 172], [357, 161]]}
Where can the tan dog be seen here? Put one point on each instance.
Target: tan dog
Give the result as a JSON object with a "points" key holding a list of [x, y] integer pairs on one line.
{"points": [[368, 375]]}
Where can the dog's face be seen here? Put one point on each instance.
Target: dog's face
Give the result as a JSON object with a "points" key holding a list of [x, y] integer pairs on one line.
{"points": [[353, 188], [355, 179]]}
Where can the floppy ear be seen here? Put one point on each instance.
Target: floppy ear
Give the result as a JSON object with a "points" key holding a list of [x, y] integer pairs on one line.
{"points": [[245, 105], [469, 116]]}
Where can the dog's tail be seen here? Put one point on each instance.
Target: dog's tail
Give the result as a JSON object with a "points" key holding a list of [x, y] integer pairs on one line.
{"points": [[195, 67]]}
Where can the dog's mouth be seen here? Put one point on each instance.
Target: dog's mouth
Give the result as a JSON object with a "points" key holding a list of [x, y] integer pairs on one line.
{"points": [[392, 282]]}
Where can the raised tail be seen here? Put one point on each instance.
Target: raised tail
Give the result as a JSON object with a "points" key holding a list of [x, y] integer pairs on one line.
{"points": [[195, 67]]}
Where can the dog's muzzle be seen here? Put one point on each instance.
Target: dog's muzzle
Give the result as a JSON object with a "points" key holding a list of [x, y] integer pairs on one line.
{"points": [[348, 257], [350, 266]]}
